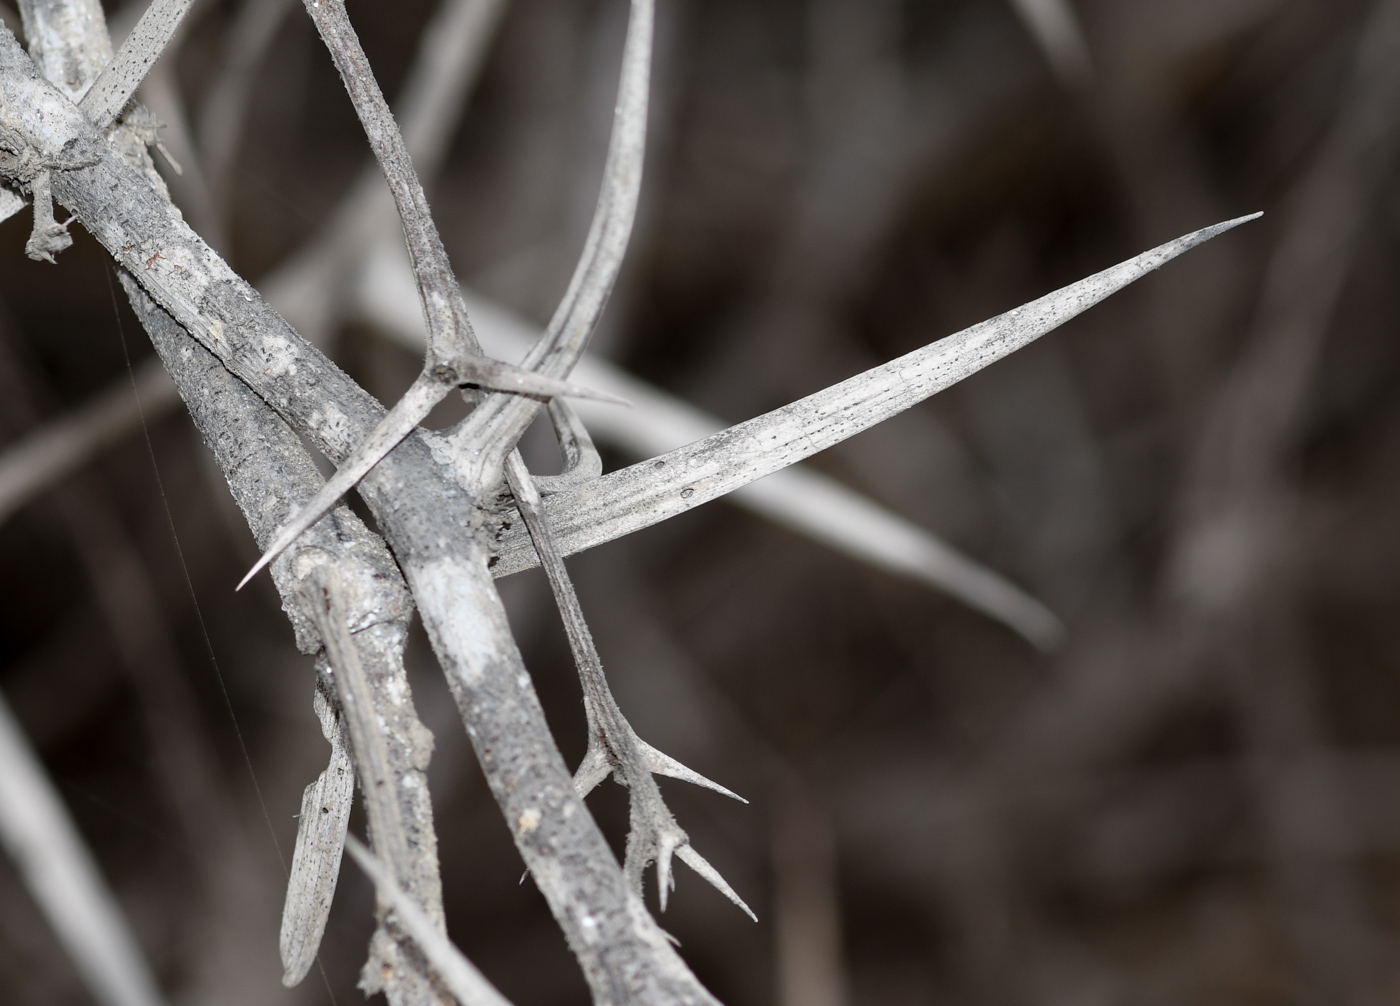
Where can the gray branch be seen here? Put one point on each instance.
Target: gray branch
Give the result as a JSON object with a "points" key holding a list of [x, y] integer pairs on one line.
{"points": [[270, 474]]}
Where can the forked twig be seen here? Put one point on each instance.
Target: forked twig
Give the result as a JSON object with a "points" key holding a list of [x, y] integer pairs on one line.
{"points": [[613, 746], [453, 358]]}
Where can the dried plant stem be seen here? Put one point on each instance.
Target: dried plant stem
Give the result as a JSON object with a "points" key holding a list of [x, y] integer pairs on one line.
{"points": [[483, 440], [270, 473], [653, 835]]}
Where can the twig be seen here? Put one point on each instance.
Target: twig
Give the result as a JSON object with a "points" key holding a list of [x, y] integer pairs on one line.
{"points": [[613, 746], [220, 121], [58, 869], [109, 94], [460, 975], [46, 456]]}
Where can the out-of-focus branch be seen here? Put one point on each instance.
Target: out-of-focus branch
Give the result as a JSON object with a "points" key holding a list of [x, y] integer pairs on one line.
{"points": [[1056, 29], [43, 458], [220, 122], [806, 909], [68, 40], [58, 869]]}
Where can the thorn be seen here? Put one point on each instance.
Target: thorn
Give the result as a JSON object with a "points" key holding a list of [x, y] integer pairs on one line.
{"points": [[697, 862], [663, 764], [494, 375]]}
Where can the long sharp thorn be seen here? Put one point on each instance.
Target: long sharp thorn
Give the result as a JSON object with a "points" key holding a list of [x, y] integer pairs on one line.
{"points": [[411, 410]]}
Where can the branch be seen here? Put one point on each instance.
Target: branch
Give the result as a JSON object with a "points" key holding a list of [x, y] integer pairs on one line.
{"points": [[43, 458], [270, 473], [433, 529], [59, 871], [109, 94], [644, 494]]}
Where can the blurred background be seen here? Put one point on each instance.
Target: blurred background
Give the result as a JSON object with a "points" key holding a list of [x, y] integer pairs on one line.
{"points": [[1195, 797]]}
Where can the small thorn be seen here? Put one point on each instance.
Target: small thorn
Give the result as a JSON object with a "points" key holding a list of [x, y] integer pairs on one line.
{"points": [[663, 764], [697, 862]]}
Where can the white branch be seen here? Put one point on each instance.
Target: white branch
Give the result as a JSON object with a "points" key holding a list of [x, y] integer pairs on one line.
{"points": [[59, 871]]}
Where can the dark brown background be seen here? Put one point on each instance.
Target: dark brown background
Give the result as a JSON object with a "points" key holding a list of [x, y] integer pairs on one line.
{"points": [[1189, 802]]}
